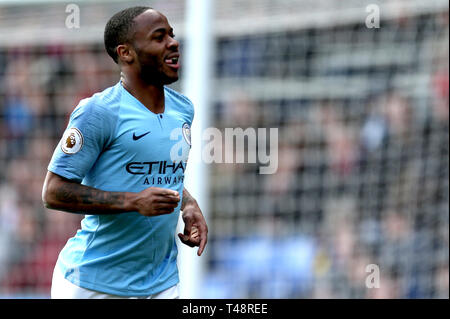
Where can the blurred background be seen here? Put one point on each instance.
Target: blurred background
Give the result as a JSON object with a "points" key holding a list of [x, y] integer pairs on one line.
{"points": [[362, 115]]}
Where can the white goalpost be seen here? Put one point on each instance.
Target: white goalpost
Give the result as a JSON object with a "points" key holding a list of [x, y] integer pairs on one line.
{"points": [[196, 86]]}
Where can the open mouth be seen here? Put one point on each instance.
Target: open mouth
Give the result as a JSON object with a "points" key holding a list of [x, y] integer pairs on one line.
{"points": [[173, 62]]}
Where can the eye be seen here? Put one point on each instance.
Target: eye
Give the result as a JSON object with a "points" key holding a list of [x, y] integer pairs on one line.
{"points": [[159, 37]]}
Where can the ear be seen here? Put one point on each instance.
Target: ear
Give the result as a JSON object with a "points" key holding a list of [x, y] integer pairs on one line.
{"points": [[125, 53]]}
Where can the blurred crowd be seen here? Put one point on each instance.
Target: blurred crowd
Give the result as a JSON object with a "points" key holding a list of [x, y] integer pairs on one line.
{"points": [[40, 86], [360, 180]]}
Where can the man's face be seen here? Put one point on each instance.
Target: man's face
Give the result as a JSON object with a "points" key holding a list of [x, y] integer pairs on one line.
{"points": [[156, 49]]}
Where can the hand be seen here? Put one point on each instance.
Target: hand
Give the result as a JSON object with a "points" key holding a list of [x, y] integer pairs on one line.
{"points": [[155, 201], [195, 228]]}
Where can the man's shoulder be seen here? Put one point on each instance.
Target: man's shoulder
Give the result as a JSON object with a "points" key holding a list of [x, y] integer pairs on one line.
{"points": [[105, 102], [181, 100], [178, 96]]}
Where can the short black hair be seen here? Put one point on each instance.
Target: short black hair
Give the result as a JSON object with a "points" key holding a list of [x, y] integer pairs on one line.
{"points": [[117, 30]]}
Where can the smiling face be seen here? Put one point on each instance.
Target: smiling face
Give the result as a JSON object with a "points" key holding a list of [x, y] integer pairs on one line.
{"points": [[154, 50]]}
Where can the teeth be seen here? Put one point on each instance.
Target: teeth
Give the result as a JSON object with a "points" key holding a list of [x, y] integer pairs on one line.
{"points": [[172, 60]]}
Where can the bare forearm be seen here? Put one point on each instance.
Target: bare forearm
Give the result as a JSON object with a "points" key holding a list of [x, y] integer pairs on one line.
{"points": [[195, 228], [77, 198], [81, 198], [187, 199]]}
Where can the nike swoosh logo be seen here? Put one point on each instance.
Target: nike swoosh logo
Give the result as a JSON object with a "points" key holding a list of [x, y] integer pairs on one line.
{"points": [[135, 138]]}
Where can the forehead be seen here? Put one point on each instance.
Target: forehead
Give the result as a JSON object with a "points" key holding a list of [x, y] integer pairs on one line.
{"points": [[150, 21]]}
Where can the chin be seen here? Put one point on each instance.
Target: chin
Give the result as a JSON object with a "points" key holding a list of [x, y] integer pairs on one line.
{"points": [[170, 80]]}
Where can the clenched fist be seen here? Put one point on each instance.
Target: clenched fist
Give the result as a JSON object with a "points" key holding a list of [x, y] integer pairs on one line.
{"points": [[155, 201]]}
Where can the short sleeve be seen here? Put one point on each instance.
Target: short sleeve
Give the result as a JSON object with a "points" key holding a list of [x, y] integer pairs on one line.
{"points": [[88, 132], [191, 113]]}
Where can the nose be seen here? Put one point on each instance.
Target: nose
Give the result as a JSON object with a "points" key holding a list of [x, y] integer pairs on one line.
{"points": [[173, 44]]}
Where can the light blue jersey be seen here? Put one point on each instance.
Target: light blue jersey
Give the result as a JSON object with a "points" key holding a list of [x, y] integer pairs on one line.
{"points": [[114, 143]]}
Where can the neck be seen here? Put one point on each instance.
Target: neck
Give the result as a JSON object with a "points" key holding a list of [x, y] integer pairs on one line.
{"points": [[150, 95]]}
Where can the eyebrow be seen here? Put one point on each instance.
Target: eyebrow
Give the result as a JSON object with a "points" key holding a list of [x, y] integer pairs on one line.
{"points": [[162, 30]]}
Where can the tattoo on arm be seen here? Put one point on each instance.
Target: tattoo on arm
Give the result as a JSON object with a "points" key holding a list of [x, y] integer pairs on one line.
{"points": [[187, 199], [75, 197]]}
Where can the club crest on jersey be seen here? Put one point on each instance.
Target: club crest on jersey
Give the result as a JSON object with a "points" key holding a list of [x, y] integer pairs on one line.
{"points": [[72, 141], [187, 133]]}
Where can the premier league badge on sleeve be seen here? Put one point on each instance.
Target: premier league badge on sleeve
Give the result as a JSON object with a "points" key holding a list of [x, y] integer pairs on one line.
{"points": [[72, 141], [187, 133]]}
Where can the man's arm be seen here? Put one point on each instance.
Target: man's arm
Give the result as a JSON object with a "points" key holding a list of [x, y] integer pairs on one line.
{"points": [[195, 228], [187, 199], [63, 194]]}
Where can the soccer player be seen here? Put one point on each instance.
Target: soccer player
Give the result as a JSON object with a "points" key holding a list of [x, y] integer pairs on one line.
{"points": [[121, 162]]}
